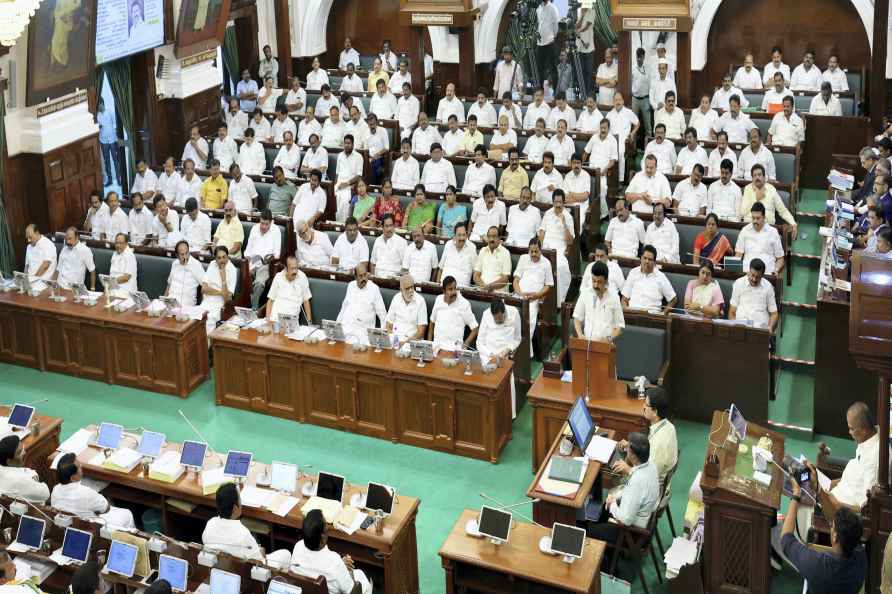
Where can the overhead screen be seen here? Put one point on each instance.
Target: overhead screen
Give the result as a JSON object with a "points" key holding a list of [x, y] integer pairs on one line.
{"points": [[125, 27]]}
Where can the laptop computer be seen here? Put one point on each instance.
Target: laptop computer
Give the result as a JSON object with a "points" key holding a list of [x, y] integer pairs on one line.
{"points": [[29, 535], [567, 540], [223, 582], [76, 545], [330, 486], [237, 464], [109, 436], [20, 416], [150, 444], [174, 570], [494, 523], [380, 498], [121, 558], [581, 423], [192, 455], [283, 477]]}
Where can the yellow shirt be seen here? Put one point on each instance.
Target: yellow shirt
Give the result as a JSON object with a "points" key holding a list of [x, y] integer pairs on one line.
{"points": [[773, 203], [214, 192], [493, 264], [512, 182], [373, 79], [470, 141], [228, 234]]}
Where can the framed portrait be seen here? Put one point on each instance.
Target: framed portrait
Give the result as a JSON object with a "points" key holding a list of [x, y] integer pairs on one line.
{"points": [[201, 26], [61, 44]]}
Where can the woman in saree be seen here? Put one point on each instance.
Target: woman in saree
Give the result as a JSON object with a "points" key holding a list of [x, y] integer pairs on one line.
{"points": [[710, 244], [703, 294]]}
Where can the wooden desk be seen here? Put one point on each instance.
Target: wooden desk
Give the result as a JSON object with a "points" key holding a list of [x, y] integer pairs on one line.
{"points": [[475, 564], [394, 551], [39, 443], [551, 400], [374, 394], [127, 349], [551, 509], [738, 516]]}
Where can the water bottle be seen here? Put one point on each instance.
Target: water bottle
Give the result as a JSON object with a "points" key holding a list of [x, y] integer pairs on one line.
{"points": [[395, 341]]}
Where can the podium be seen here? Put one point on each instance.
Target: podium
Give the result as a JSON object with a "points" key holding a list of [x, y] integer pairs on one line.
{"points": [[594, 368]]}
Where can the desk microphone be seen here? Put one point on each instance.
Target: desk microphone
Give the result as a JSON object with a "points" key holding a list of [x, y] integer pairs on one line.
{"points": [[502, 506]]}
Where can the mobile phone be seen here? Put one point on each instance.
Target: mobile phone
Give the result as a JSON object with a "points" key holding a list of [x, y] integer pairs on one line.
{"points": [[367, 523], [804, 476], [151, 578]]}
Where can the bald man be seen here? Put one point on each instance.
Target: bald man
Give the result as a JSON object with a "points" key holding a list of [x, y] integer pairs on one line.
{"points": [[407, 316], [230, 233], [362, 304]]}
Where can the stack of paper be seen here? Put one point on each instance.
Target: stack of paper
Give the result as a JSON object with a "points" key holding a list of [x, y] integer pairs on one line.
{"points": [[349, 520], [123, 460], [281, 504], [167, 468], [302, 333], [255, 496], [600, 449], [329, 508], [211, 480], [32, 569], [682, 552], [77, 443]]}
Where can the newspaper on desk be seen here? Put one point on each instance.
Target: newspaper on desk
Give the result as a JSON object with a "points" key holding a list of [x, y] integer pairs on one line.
{"points": [[301, 333]]}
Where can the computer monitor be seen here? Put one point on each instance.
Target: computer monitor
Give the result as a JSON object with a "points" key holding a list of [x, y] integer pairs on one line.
{"points": [[109, 436], [76, 545], [30, 532], [277, 586], [581, 423], [150, 444], [121, 558], [20, 416], [283, 477], [174, 570], [738, 423], [380, 497], [193, 454], [494, 523], [223, 582], [330, 486], [237, 464], [567, 540]]}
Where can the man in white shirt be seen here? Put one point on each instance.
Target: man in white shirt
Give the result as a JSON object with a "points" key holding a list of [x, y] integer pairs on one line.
{"points": [[225, 148], [264, 246], [536, 144], [759, 240], [420, 258], [295, 99], [97, 215], [116, 222], [458, 257], [724, 196], [269, 66], [787, 128], [251, 156], [438, 173], [806, 76], [721, 153], [774, 66], [40, 255], [641, 76], [755, 153], [75, 259], [334, 129], [547, 179], [326, 101], [281, 123], [351, 83], [383, 102], [663, 235], [289, 293], [508, 77], [185, 275], [349, 171], [735, 124], [561, 146], [648, 187], [405, 172], [316, 158], [477, 175], [165, 223], [71, 496], [660, 85], [17, 481], [487, 212], [139, 219], [424, 136], [242, 190], [449, 317], [288, 157], [483, 110], [362, 304], [309, 125], [691, 154], [533, 279], [625, 232], [145, 180], [561, 111], [646, 287], [407, 110], [589, 118], [578, 189], [662, 150], [615, 278], [167, 181], [671, 116], [407, 315], [500, 333], [377, 143], [387, 56], [218, 286], [704, 119], [601, 152], [825, 102], [399, 78], [690, 196], [523, 220], [450, 105], [350, 248], [752, 298], [196, 149], [556, 232], [348, 55], [313, 558], [607, 77], [836, 76], [536, 110], [388, 250], [309, 202], [227, 534], [123, 266], [313, 247], [453, 139], [547, 17], [260, 125], [598, 314], [195, 227], [503, 139], [747, 76], [774, 95]]}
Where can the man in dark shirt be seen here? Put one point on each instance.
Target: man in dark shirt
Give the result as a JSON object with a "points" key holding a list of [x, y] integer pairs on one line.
{"points": [[840, 571]]}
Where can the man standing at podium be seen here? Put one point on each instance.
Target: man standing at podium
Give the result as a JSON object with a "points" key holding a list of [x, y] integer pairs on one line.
{"points": [[598, 315]]}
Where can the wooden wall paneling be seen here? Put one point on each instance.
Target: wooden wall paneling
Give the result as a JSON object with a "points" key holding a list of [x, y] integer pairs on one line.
{"points": [[367, 24], [755, 26], [201, 109], [244, 16], [878, 62], [283, 41], [25, 199], [148, 118], [826, 136], [70, 172]]}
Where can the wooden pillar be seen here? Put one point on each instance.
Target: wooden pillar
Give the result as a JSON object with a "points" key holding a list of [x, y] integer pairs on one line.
{"points": [[883, 416], [878, 63], [283, 41], [466, 62], [624, 68], [683, 72], [416, 59]]}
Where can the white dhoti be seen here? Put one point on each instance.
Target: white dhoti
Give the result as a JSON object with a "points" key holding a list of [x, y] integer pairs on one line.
{"points": [[343, 201], [563, 277], [603, 190]]}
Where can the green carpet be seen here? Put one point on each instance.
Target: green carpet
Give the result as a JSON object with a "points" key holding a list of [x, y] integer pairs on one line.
{"points": [[445, 484]]}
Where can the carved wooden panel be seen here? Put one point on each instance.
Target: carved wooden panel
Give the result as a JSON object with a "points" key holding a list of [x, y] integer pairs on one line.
{"points": [[473, 412], [413, 410], [322, 400], [284, 386], [374, 405], [92, 352], [230, 371]]}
